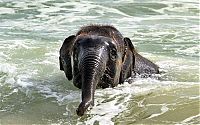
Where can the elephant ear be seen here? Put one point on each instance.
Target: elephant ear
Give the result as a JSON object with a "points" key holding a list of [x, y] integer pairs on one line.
{"points": [[128, 60], [65, 56], [61, 65], [129, 47]]}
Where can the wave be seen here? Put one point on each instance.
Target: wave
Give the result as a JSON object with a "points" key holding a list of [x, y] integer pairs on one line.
{"points": [[118, 99]]}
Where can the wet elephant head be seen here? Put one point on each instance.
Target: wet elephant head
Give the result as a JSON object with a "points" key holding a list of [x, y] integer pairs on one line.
{"points": [[93, 61]]}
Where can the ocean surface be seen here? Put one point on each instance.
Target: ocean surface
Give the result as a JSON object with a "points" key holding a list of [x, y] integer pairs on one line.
{"points": [[34, 91]]}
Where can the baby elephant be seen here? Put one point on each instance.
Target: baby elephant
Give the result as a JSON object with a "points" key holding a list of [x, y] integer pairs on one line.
{"points": [[99, 56]]}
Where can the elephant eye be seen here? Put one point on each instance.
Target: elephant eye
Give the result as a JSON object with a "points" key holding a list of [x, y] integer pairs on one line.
{"points": [[63, 61], [113, 54], [75, 57]]}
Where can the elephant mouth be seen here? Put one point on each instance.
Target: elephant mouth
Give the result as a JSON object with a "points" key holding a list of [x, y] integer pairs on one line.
{"points": [[77, 80], [106, 81]]}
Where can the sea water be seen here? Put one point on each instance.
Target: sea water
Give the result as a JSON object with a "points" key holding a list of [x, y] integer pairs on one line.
{"points": [[34, 91]]}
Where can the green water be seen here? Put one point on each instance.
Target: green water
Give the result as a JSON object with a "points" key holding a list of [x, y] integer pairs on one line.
{"points": [[34, 91]]}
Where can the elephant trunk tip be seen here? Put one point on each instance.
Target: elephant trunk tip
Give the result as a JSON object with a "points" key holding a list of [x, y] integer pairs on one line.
{"points": [[80, 111], [83, 107]]}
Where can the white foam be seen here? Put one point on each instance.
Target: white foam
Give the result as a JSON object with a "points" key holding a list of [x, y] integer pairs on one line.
{"points": [[3, 56], [22, 81], [164, 109], [190, 119], [10, 73], [194, 50], [118, 98], [10, 80], [22, 44], [48, 62], [48, 92], [194, 97], [7, 68], [104, 116], [6, 10], [104, 111], [49, 9]]}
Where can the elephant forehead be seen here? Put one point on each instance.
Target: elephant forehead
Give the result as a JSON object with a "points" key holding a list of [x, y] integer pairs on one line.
{"points": [[93, 39], [93, 47]]}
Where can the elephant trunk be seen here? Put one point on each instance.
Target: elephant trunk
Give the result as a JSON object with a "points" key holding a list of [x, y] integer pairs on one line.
{"points": [[92, 68]]}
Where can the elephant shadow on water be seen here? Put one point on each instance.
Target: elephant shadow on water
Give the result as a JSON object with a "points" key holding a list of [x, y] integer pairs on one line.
{"points": [[98, 56]]}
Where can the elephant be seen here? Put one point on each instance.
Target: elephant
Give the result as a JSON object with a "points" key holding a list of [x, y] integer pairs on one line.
{"points": [[98, 56]]}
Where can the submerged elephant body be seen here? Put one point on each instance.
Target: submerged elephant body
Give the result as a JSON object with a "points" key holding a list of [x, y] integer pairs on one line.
{"points": [[99, 56]]}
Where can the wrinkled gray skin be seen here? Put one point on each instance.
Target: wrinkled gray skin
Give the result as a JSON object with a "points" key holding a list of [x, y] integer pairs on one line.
{"points": [[98, 56]]}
